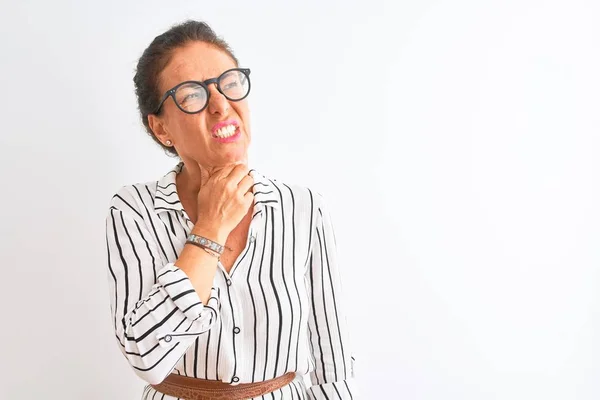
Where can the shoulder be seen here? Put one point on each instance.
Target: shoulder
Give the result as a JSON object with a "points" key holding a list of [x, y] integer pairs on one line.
{"points": [[135, 199], [144, 199], [293, 194]]}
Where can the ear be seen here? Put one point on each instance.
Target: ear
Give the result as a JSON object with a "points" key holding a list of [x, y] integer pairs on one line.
{"points": [[158, 127]]}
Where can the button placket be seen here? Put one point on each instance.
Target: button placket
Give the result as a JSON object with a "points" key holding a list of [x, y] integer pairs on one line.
{"points": [[236, 306], [236, 340]]}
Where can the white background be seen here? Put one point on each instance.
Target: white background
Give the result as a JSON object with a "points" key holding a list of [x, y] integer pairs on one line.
{"points": [[457, 142]]}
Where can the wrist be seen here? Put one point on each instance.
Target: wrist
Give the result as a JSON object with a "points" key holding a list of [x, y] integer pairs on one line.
{"points": [[216, 235]]}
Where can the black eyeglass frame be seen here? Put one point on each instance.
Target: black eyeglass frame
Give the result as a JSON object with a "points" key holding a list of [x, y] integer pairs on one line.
{"points": [[204, 84]]}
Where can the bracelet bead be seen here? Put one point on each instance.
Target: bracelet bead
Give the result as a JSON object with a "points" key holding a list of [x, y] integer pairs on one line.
{"points": [[208, 245]]}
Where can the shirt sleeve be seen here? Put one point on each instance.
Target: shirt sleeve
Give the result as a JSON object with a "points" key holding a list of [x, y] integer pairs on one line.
{"points": [[333, 374], [156, 312]]}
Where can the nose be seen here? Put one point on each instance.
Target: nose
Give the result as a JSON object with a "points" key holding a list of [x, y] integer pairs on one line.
{"points": [[217, 103]]}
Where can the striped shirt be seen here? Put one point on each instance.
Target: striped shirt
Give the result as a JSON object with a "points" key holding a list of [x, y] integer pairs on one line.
{"points": [[278, 310]]}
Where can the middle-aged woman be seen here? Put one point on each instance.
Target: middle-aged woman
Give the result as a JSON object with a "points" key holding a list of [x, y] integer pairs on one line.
{"points": [[223, 283]]}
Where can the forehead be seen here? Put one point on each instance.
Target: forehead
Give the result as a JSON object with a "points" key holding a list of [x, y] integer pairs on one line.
{"points": [[194, 61]]}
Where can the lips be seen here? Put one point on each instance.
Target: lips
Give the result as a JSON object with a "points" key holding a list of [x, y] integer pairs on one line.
{"points": [[225, 129]]}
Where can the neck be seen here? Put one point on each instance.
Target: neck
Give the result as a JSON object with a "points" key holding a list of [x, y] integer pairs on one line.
{"points": [[194, 175]]}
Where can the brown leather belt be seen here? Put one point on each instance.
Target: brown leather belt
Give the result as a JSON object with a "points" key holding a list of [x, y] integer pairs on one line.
{"points": [[189, 388]]}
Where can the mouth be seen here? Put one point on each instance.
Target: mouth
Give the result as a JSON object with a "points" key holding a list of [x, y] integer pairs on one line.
{"points": [[225, 130]]}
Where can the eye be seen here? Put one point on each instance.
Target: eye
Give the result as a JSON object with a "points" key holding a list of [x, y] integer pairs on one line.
{"points": [[231, 85], [191, 96]]}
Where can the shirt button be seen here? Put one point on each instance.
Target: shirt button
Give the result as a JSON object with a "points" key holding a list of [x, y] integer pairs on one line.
{"points": [[228, 282], [252, 239], [236, 330], [168, 338], [235, 379]]}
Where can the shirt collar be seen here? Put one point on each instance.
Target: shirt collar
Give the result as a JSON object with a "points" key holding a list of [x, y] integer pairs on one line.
{"points": [[166, 197]]}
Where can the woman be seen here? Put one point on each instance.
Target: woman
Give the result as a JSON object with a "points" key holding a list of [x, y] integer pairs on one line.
{"points": [[224, 283]]}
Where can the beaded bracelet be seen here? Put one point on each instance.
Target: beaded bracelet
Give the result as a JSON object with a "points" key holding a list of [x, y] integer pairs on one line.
{"points": [[208, 245]]}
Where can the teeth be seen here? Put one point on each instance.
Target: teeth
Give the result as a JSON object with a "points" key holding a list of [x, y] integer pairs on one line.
{"points": [[226, 131]]}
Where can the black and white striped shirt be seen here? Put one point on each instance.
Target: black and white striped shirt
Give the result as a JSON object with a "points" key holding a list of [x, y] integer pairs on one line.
{"points": [[277, 311]]}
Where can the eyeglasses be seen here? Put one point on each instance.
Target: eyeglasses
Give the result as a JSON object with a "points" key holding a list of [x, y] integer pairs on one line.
{"points": [[191, 97]]}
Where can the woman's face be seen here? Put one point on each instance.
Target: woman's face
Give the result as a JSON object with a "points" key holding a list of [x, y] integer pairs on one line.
{"points": [[195, 135]]}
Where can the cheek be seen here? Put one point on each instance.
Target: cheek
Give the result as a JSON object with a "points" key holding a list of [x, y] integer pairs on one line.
{"points": [[244, 113], [192, 126]]}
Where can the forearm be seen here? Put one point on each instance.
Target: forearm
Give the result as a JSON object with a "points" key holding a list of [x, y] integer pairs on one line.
{"points": [[157, 331], [200, 266], [333, 376]]}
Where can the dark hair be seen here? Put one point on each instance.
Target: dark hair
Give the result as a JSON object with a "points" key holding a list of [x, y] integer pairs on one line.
{"points": [[156, 57]]}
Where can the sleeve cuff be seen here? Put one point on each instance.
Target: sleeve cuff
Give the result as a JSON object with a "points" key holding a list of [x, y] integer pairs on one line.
{"points": [[339, 390]]}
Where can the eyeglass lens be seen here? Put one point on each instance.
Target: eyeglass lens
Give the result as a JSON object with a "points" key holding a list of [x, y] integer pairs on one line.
{"points": [[192, 97]]}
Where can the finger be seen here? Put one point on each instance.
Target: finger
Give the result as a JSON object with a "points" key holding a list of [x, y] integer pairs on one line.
{"points": [[221, 173], [237, 173], [246, 184], [248, 198]]}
